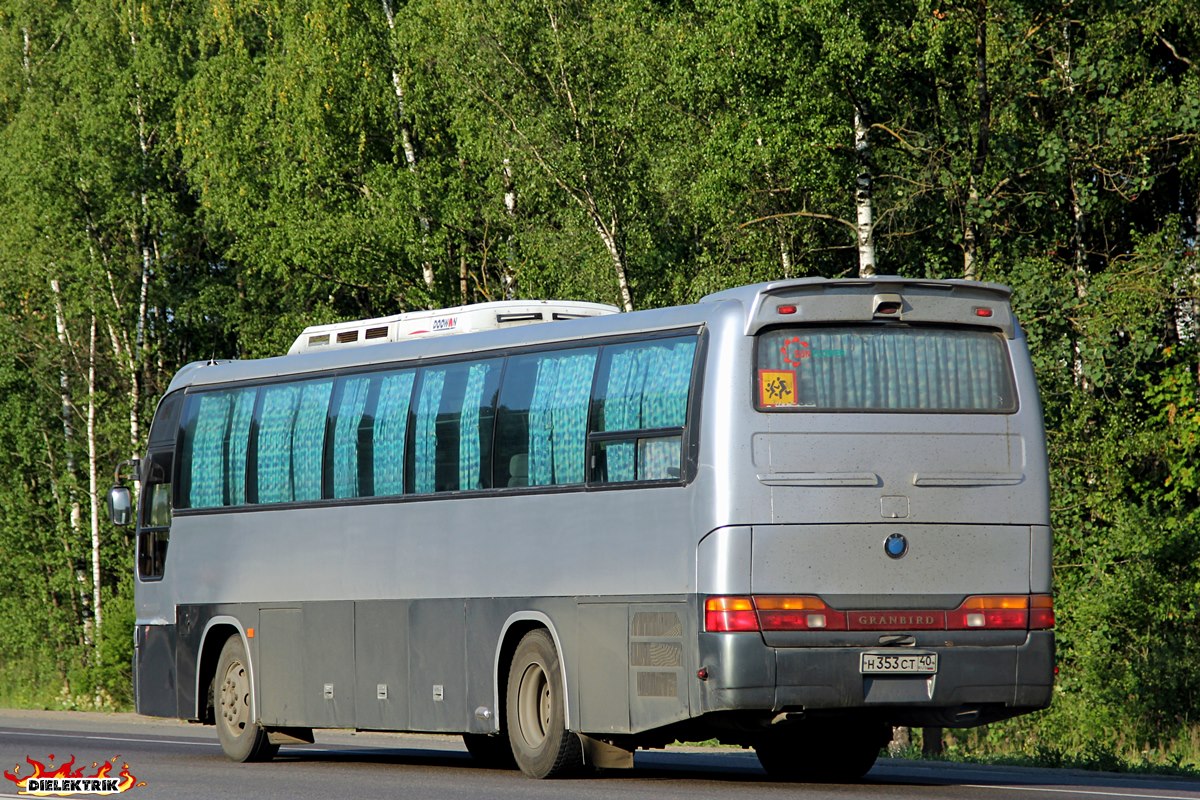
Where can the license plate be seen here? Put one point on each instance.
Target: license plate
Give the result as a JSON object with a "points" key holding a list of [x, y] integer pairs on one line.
{"points": [[897, 663]]}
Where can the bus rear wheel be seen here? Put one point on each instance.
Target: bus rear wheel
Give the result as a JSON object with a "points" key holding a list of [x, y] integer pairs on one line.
{"points": [[535, 710], [832, 753], [241, 738], [490, 752]]}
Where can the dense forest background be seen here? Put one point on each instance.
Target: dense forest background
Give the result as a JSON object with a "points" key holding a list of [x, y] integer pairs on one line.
{"points": [[182, 179]]}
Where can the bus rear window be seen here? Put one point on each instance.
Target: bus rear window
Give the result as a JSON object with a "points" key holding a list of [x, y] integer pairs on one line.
{"points": [[884, 369]]}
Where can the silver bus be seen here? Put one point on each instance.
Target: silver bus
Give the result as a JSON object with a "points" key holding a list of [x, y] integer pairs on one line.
{"points": [[786, 517]]}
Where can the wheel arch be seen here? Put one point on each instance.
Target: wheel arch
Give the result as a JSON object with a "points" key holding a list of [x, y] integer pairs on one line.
{"points": [[216, 632], [514, 629]]}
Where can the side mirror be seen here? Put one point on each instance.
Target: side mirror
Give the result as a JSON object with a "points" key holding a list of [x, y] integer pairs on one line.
{"points": [[120, 505]]}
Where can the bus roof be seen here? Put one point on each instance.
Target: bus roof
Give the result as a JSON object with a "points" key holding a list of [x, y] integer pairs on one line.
{"points": [[754, 307]]}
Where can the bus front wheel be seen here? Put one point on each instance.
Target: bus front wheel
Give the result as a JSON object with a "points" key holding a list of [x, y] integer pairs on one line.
{"points": [[535, 711], [241, 738]]}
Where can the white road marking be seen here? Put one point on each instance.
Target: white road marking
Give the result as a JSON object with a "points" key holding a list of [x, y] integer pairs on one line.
{"points": [[66, 735], [1093, 792]]}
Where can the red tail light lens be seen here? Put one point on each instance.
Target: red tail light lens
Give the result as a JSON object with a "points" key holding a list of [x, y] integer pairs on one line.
{"points": [[1041, 612], [800, 613], [729, 614], [991, 613], [811, 613]]}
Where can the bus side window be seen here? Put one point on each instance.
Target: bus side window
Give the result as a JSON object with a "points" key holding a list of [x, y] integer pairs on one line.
{"points": [[155, 531], [541, 436], [452, 435], [160, 505], [639, 411]]}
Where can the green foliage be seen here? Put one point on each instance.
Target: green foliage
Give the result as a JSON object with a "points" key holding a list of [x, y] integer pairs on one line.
{"points": [[203, 178]]}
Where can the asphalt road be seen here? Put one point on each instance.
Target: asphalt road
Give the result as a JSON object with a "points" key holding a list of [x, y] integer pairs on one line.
{"points": [[176, 760]]}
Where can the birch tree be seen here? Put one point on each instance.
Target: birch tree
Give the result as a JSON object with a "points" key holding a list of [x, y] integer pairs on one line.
{"points": [[552, 80]]}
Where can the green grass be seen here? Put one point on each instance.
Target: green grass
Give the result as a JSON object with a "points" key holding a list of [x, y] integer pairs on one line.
{"points": [[33, 684], [1179, 755]]}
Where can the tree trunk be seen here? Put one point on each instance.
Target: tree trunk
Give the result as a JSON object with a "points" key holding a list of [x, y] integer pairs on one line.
{"points": [[1079, 273], [93, 486], [74, 510], [972, 230], [863, 197], [508, 278], [462, 277], [410, 152], [608, 234], [27, 57]]}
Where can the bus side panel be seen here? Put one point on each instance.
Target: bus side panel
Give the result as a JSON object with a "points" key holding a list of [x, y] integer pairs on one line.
{"points": [[659, 664], [279, 670], [381, 665], [329, 671], [437, 666], [154, 670], [603, 667]]}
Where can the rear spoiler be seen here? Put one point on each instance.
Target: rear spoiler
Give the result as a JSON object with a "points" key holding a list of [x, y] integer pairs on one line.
{"points": [[821, 300]]}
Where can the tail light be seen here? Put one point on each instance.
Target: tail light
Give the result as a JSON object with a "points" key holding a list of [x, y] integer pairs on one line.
{"points": [[728, 614], [1041, 612], [811, 613], [990, 612], [802, 613]]}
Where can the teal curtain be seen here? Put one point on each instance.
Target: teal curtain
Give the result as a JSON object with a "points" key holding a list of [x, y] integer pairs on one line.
{"points": [[569, 417], [275, 443], [558, 417], [390, 432], [469, 444], [425, 443], [622, 410], [351, 406], [892, 368], [541, 416], [648, 387], [664, 405], [238, 441], [308, 440], [208, 451]]}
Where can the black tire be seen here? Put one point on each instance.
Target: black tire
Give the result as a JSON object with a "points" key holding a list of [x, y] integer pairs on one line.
{"points": [[534, 712], [490, 752], [830, 753], [241, 738]]}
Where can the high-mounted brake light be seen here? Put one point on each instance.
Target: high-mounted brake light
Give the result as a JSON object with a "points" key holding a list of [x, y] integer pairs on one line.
{"points": [[982, 311], [786, 309]]}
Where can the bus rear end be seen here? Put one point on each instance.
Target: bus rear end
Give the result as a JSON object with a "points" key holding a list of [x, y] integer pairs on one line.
{"points": [[894, 568]]}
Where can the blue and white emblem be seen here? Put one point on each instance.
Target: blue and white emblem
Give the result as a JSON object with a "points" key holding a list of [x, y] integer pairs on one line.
{"points": [[895, 545]]}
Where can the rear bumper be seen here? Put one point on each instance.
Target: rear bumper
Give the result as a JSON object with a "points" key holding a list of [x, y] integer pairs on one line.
{"points": [[974, 684]]}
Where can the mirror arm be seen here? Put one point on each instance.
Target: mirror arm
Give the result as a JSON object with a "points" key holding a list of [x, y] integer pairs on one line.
{"points": [[135, 470]]}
